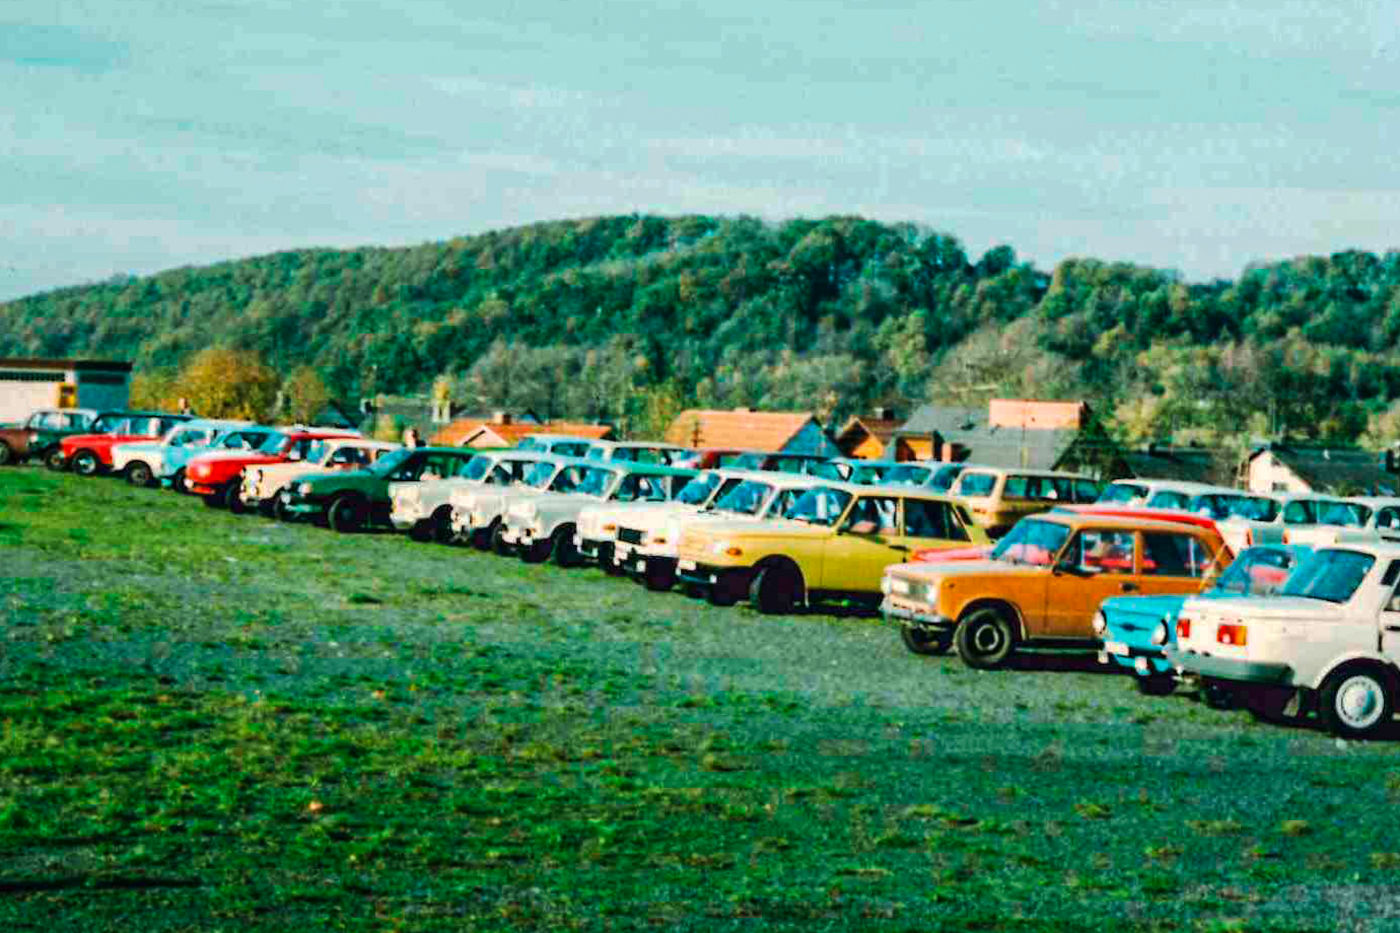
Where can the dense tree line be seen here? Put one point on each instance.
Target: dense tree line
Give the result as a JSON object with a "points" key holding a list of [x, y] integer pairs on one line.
{"points": [[628, 318]]}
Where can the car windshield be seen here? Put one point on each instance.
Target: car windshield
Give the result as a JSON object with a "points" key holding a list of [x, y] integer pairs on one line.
{"points": [[819, 506], [274, 444], [1032, 541], [1168, 499], [108, 424], [1122, 493], [868, 475], [317, 451], [944, 479], [1252, 508], [749, 461], [697, 491], [830, 470], [1258, 572], [188, 437], [744, 499], [539, 475], [976, 484], [1212, 505], [390, 461], [913, 475], [477, 468], [1331, 575]]}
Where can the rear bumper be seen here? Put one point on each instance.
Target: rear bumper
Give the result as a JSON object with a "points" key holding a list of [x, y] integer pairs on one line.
{"points": [[1142, 659], [1258, 672]]}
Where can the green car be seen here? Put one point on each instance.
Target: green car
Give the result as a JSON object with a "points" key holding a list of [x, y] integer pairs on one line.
{"points": [[351, 500], [39, 435]]}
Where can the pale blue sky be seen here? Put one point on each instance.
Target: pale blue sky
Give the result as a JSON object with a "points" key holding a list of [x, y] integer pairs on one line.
{"points": [[1199, 135]]}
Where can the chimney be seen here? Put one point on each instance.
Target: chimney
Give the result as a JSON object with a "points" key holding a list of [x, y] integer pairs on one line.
{"points": [[500, 417], [884, 414]]}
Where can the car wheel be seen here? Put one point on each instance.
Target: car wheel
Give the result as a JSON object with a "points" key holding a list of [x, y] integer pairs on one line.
{"points": [[442, 526], [1155, 685], [281, 512], [212, 501], [922, 641], [1218, 696], [346, 514], [267, 508], [658, 577], [421, 531], [177, 481], [984, 638], [138, 473], [232, 501], [1357, 701], [498, 539], [538, 552], [7, 454], [775, 590], [565, 554], [85, 463], [55, 460], [607, 559]]}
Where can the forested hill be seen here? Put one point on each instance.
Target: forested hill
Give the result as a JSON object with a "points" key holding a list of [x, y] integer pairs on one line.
{"points": [[835, 314]]}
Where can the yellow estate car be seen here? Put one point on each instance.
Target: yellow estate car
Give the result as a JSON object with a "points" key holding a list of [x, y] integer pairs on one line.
{"points": [[833, 543]]}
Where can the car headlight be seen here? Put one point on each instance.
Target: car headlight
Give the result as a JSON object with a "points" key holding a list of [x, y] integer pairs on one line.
{"points": [[1099, 625], [1159, 634], [899, 585], [33, 437], [304, 489]]}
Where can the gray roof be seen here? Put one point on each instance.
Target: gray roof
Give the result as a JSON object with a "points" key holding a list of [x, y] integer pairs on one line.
{"points": [[1191, 464], [1337, 470], [1034, 448]]}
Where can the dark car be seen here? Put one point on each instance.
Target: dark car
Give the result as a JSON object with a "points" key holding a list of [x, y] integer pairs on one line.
{"points": [[348, 501], [41, 432]]}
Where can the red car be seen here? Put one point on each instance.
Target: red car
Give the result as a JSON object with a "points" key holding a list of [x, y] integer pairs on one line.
{"points": [[91, 454], [218, 475]]}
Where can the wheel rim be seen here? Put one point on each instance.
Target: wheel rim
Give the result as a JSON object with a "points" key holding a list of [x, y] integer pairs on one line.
{"points": [[140, 476], [84, 464], [987, 638], [1360, 701]]}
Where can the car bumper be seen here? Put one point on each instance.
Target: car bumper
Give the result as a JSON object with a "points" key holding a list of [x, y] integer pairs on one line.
{"points": [[296, 505], [519, 537], [593, 550], [202, 489], [1206, 665], [1148, 659], [916, 614], [731, 581], [406, 516]]}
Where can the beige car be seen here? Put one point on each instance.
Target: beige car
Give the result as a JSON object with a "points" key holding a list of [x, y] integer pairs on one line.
{"points": [[999, 498], [261, 484]]}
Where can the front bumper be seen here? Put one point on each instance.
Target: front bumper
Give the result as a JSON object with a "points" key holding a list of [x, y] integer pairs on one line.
{"points": [[406, 515], [1142, 659], [202, 489], [515, 536], [295, 504], [730, 582], [1206, 665], [916, 614], [594, 550]]}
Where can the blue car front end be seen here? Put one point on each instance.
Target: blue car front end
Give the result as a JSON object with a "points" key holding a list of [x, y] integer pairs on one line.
{"points": [[1137, 630]]}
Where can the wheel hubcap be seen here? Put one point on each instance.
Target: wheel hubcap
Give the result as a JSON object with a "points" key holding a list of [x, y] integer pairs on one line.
{"points": [[986, 638], [1360, 702]]}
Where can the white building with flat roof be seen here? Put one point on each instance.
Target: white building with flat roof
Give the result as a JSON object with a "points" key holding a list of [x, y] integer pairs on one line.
{"points": [[30, 384]]}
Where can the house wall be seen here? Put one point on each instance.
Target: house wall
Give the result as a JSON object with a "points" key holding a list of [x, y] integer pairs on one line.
{"points": [[811, 439], [102, 390], [869, 448], [913, 448], [1267, 474], [22, 391], [1028, 413]]}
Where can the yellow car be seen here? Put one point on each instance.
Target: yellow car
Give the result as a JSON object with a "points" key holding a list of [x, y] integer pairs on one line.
{"points": [[833, 543]]}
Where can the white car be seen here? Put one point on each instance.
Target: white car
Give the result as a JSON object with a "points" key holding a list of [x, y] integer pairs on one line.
{"points": [[261, 484], [544, 526], [424, 509], [648, 542], [1330, 639], [1296, 518], [1154, 493], [640, 452], [147, 463], [598, 525], [478, 512]]}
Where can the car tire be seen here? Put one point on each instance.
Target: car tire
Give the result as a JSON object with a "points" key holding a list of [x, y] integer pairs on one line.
{"points": [[442, 532], [498, 539], [776, 590], [1155, 685], [984, 638], [177, 482], [1357, 701], [920, 641], [212, 501], [281, 512], [538, 552], [565, 554], [231, 499], [7, 454], [346, 514], [138, 473], [55, 460], [85, 463], [658, 578], [421, 532], [607, 559]]}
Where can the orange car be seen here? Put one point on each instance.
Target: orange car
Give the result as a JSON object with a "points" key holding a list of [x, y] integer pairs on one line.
{"points": [[1043, 583]]}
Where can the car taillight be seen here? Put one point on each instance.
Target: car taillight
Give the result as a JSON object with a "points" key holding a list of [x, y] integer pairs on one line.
{"points": [[1249, 537], [1183, 629], [1232, 635], [1285, 537]]}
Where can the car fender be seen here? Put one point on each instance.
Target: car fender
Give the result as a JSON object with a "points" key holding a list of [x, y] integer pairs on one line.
{"points": [[1373, 657], [980, 602]]}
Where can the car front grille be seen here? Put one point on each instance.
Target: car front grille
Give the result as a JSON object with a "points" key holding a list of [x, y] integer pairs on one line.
{"points": [[629, 535]]}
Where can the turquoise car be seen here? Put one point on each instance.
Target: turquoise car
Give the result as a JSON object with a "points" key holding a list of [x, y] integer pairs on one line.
{"points": [[1136, 629]]}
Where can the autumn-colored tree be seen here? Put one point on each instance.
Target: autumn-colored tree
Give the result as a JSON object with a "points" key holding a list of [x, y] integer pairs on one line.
{"points": [[154, 391], [221, 382], [306, 395]]}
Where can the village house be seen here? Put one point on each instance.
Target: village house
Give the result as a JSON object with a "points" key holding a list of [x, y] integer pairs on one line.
{"points": [[869, 436], [28, 384], [746, 429], [1028, 433], [1341, 471]]}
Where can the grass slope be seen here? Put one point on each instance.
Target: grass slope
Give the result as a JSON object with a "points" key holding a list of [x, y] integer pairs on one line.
{"points": [[218, 723]]}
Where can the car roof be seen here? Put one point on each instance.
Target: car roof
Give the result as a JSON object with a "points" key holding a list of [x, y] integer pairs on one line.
{"points": [[1375, 502], [1018, 471], [1096, 519]]}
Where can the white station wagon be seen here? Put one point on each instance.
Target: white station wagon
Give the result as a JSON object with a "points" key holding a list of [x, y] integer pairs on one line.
{"points": [[1330, 638]]}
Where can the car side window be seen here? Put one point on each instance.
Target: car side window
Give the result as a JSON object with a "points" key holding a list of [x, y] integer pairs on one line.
{"points": [[872, 515], [1298, 513], [1017, 487], [1173, 555], [1086, 490], [976, 484], [1104, 551], [50, 420], [409, 470], [927, 518], [1388, 518]]}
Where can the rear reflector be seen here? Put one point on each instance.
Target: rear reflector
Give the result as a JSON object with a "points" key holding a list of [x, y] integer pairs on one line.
{"points": [[1232, 635]]}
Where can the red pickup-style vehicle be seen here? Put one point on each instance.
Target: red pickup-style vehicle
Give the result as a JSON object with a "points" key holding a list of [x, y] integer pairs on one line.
{"points": [[90, 454], [218, 475]]}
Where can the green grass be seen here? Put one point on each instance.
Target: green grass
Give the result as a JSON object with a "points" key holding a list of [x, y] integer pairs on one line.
{"points": [[216, 722]]}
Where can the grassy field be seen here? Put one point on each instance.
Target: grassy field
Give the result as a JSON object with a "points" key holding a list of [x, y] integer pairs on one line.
{"points": [[219, 723]]}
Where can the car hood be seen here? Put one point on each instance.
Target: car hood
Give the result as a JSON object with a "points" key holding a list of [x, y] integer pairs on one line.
{"points": [[773, 526]]}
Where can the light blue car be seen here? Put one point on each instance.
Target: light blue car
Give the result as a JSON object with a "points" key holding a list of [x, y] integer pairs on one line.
{"points": [[163, 462], [1136, 629]]}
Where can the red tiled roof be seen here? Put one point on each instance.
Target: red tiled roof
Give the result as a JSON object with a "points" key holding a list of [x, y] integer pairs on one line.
{"points": [[742, 430], [510, 434]]}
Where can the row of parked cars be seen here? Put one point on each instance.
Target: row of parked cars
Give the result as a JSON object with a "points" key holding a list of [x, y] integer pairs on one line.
{"points": [[1286, 605]]}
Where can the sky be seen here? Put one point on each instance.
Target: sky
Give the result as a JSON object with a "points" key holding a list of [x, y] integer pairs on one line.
{"points": [[1195, 135]]}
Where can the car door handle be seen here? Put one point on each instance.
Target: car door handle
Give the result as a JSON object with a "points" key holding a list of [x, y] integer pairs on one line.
{"points": [[1128, 587]]}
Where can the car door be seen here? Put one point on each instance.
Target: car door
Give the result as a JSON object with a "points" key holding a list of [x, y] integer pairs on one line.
{"points": [[865, 541], [1389, 615], [1096, 564], [933, 523]]}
